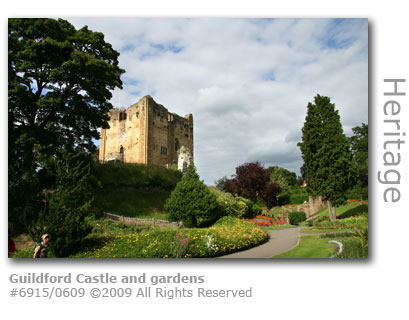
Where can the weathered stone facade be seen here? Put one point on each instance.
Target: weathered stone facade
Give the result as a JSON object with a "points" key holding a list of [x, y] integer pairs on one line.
{"points": [[146, 133]]}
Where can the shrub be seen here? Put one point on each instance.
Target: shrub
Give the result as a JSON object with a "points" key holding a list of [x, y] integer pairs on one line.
{"points": [[296, 217], [191, 201], [228, 205], [251, 207], [256, 210], [236, 206]]}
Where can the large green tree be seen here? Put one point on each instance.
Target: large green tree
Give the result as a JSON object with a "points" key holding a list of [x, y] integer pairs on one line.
{"points": [[277, 172], [285, 179], [59, 85], [359, 147], [329, 166]]}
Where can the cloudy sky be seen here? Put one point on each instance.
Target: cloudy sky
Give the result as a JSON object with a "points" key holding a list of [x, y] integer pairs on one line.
{"points": [[247, 82]]}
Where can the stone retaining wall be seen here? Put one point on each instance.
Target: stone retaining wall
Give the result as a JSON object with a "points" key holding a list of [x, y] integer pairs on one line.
{"points": [[311, 207]]}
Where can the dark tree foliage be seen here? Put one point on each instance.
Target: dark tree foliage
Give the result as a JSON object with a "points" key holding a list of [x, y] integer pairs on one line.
{"points": [[191, 201], [252, 181], [67, 206], [329, 165], [359, 147], [59, 84], [270, 194], [231, 186]]}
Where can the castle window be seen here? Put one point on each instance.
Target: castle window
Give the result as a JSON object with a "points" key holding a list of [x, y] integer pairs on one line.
{"points": [[122, 115], [163, 150]]}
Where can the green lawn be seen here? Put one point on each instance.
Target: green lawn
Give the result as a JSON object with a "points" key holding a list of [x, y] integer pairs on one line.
{"points": [[310, 247], [283, 226], [327, 230]]}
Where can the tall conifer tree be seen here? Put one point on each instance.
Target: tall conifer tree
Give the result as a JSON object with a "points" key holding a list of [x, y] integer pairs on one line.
{"points": [[328, 160]]}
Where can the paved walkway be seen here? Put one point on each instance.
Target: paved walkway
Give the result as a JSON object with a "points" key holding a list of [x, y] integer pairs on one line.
{"points": [[280, 241]]}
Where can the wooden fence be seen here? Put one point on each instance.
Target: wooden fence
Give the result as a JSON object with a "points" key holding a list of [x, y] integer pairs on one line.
{"points": [[129, 220]]}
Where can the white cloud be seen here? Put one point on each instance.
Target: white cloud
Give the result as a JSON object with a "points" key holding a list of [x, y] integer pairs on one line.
{"points": [[246, 81]]}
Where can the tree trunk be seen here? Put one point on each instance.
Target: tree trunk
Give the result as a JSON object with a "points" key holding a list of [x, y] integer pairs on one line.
{"points": [[334, 214], [194, 222], [331, 211], [28, 172]]}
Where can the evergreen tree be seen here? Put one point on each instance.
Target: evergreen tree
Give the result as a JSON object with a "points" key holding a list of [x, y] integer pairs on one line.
{"points": [[359, 147], [329, 165], [67, 206], [191, 201]]}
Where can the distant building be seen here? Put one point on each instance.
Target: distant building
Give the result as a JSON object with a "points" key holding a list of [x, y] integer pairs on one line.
{"points": [[146, 133]]}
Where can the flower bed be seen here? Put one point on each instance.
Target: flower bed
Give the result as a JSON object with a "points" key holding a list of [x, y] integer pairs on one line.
{"points": [[353, 200], [357, 200], [225, 236], [264, 221]]}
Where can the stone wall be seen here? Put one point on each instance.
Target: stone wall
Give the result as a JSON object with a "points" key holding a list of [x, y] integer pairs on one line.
{"points": [[145, 133], [311, 207]]}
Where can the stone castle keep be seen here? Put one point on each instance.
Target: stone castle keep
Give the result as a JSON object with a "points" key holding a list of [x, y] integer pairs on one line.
{"points": [[147, 133]]}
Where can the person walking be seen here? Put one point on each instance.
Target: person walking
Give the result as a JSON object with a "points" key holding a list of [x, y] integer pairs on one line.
{"points": [[41, 251]]}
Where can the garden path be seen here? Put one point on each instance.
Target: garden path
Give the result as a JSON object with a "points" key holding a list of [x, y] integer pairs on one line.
{"points": [[280, 241]]}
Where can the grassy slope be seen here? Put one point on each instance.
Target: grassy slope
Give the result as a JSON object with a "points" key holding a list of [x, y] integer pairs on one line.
{"points": [[132, 202], [339, 210], [134, 190]]}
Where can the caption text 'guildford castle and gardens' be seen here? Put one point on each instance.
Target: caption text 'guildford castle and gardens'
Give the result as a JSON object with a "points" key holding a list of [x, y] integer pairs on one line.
{"points": [[88, 178]]}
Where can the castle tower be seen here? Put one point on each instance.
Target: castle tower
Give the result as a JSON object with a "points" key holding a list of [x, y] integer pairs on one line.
{"points": [[145, 133]]}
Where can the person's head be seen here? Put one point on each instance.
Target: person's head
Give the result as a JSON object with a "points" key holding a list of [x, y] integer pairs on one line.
{"points": [[45, 238]]}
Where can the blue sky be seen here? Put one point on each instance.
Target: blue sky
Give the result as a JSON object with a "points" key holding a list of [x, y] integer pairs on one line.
{"points": [[247, 82]]}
